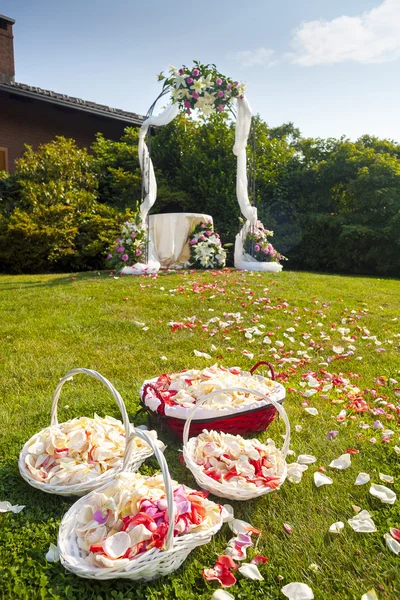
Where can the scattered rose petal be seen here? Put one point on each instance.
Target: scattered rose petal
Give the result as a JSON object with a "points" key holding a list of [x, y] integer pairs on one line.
{"points": [[362, 478], [321, 479], [386, 478], [298, 428], [257, 560], [287, 528], [295, 472], [238, 526], [343, 462], [311, 411], [163, 358], [336, 527], [222, 595], [8, 507], [306, 459], [362, 523], [52, 554], [297, 591], [370, 595], [383, 493], [201, 354], [227, 513], [356, 508], [392, 544], [221, 574], [250, 571], [395, 533], [338, 349], [313, 567]]}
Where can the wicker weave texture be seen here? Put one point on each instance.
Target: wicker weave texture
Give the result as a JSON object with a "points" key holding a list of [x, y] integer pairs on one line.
{"points": [[226, 489], [149, 565], [80, 489]]}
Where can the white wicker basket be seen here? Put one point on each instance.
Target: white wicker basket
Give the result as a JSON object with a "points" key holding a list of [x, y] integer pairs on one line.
{"points": [[148, 565], [81, 489], [226, 489]]}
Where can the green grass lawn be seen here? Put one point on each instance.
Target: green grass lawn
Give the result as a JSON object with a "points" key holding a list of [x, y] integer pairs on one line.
{"points": [[50, 324]]}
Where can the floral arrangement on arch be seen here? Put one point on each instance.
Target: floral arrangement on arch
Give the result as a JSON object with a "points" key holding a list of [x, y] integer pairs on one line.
{"points": [[206, 251], [201, 87], [258, 245], [130, 247]]}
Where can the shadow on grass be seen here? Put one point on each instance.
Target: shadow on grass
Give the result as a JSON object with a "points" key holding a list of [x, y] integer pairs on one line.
{"points": [[67, 279]]}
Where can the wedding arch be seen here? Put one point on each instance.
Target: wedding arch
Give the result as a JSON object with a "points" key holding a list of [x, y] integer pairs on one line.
{"points": [[203, 88]]}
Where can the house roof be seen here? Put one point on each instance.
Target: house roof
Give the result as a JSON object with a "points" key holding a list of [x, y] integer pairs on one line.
{"points": [[93, 108], [4, 18]]}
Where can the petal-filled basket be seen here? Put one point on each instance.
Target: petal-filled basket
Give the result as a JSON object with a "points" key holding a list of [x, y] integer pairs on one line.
{"points": [[230, 466], [240, 419], [130, 546], [80, 455]]}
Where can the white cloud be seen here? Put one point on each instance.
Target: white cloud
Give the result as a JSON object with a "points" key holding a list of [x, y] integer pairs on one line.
{"points": [[260, 56], [373, 37]]}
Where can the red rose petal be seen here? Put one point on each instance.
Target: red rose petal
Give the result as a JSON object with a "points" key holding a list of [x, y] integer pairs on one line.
{"points": [[226, 561], [257, 560], [395, 533]]}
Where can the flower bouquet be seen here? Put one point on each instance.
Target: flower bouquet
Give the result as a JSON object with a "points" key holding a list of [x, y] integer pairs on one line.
{"points": [[206, 251], [201, 87], [130, 249], [231, 466], [80, 455], [257, 244], [136, 527], [169, 398]]}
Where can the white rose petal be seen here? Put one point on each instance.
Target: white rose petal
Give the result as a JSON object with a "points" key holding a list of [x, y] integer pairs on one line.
{"points": [[362, 523], [392, 544], [306, 459], [295, 472], [297, 591], [338, 349], [336, 527], [371, 595], [386, 478], [8, 507], [250, 571], [321, 479], [116, 545], [201, 354], [311, 411], [362, 478], [222, 595], [343, 462], [52, 554], [383, 493]]}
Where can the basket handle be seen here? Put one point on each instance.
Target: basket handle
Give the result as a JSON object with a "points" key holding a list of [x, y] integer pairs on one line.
{"points": [[276, 404], [140, 433], [263, 362], [116, 395]]}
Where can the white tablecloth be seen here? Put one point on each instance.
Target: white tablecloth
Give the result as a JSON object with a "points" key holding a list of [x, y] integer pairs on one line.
{"points": [[169, 233]]}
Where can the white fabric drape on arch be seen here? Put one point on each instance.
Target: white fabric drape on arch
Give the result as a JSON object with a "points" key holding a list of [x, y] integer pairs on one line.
{"points": [[242, 260]]}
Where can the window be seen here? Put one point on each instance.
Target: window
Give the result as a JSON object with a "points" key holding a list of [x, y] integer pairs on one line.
{"points": [[3, 159]]}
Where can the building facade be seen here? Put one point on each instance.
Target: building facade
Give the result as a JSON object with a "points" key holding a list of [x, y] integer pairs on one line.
{"points": [[30, 115]]}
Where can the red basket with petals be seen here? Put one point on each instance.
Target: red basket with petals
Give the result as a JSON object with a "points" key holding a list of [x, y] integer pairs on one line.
{"points": [[248, 421]]}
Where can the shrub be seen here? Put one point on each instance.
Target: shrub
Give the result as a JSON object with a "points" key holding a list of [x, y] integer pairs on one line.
{"points": [[50, 217]]}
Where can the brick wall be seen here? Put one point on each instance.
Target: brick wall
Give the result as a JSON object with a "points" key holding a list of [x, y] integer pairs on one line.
{"points": [[23, 121]]}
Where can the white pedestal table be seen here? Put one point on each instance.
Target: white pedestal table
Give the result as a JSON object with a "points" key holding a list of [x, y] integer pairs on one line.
{"points": [[169, 233]]}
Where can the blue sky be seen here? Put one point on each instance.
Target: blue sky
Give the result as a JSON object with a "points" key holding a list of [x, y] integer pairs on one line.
{"points": [[331, 67]]}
